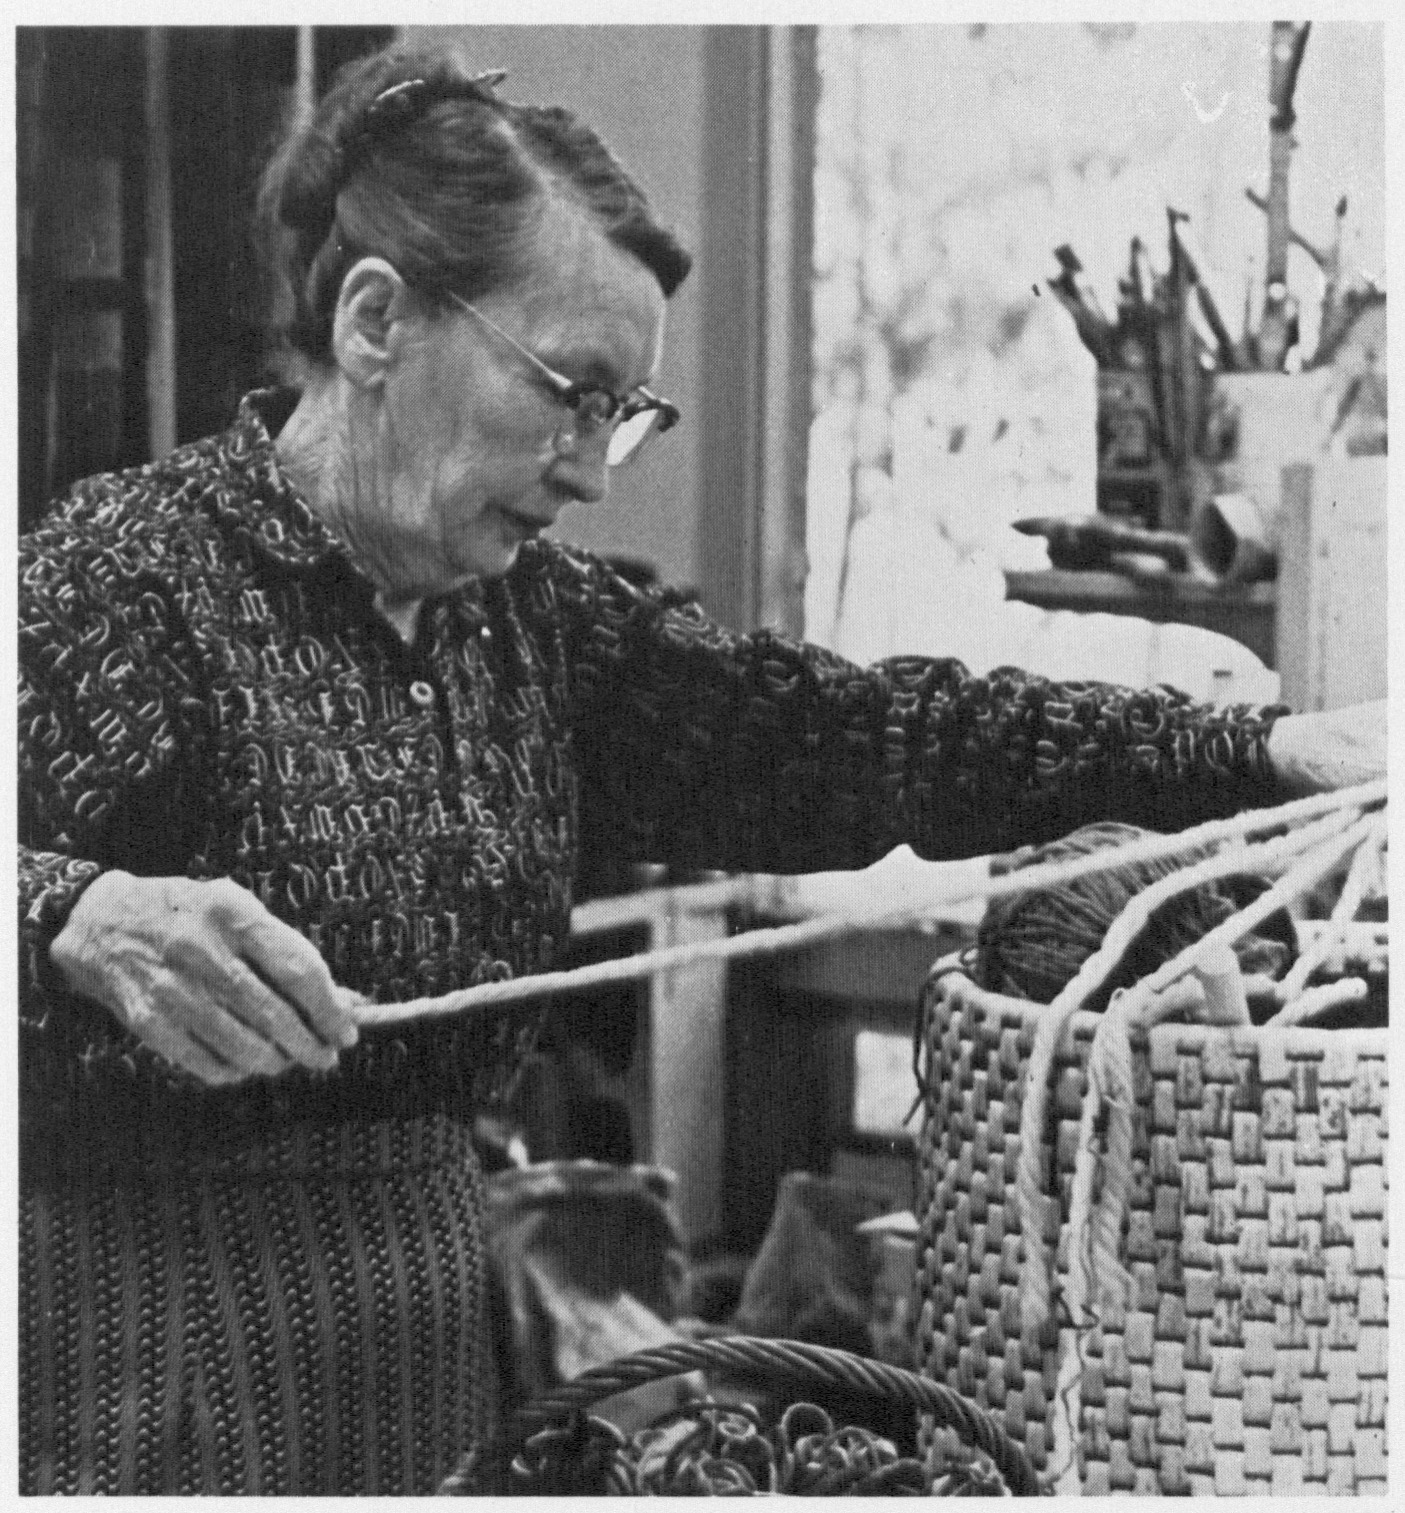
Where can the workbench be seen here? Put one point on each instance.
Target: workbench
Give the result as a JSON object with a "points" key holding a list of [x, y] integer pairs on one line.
{"points": [[1245, 612]]}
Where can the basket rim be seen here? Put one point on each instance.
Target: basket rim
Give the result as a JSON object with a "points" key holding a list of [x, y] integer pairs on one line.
{"points": [[816, 1368], [952, 981]]}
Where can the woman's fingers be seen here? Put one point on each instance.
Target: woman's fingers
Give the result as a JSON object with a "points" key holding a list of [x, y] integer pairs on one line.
{"points": [[205, 976], [269, 1019], [219, 1012], [244, 1027], [185, 1048], [291, 968]]}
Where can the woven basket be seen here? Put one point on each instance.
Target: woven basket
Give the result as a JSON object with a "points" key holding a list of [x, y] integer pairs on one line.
{"points": [[1251, 1358], [818, 1373]]}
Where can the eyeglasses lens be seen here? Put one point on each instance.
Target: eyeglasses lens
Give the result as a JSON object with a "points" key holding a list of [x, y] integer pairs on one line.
{"points": [[629, 436]]}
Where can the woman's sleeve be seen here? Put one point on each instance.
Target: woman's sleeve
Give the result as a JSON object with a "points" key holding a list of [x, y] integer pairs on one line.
{"points": [[98, 690], [754, 752]]}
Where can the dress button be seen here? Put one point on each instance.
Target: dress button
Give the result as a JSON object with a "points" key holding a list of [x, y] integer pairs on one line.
{"points": [[422, 693]]}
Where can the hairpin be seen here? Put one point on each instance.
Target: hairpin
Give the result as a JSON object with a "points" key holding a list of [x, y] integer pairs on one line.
{"points": [[400, 103], [396, 103]]}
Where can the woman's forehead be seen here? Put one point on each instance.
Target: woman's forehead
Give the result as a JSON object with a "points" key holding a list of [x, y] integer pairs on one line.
{"points": [[577, 288]]}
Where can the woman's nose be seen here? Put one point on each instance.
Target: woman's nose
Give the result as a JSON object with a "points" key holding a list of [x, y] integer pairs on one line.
{"points": [[581, 472]]}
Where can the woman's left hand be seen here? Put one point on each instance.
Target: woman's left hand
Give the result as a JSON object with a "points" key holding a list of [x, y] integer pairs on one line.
{"points": [[1337, 748]]}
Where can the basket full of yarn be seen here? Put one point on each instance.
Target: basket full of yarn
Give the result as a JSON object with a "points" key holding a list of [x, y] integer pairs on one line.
{"points": [[1153, 1238]]}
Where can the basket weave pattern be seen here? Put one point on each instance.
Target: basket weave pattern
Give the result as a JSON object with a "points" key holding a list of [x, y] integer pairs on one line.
{"points": [[1252, 1356]]}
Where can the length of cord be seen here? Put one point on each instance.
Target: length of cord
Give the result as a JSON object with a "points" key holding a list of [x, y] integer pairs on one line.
{"points": [[781, 938]]}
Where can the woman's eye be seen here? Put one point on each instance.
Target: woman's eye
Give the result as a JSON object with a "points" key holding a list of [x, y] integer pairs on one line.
{"points": [[597, 407]]}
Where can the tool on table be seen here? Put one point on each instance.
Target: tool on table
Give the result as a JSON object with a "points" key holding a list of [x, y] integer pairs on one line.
{"points": [[1090, 543]]}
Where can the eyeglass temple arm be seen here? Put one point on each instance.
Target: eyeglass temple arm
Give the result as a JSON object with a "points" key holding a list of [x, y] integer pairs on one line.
{"points": [[669, 413]]}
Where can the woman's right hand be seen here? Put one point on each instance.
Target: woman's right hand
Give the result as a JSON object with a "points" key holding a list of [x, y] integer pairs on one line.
{"points": [[204, 975], [1329, 749]]}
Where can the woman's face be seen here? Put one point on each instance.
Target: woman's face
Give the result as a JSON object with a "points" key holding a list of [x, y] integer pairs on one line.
{"points": [[465, 453]]}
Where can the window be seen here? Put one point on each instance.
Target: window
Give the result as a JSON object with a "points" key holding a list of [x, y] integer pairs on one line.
{"points": [[951, 394]]}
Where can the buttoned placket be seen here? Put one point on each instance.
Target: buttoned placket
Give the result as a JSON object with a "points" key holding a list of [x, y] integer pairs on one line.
{"points": [[453, 662]]}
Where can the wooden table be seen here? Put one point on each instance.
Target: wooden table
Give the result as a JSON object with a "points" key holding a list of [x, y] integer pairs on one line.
{"points": [[1245, 612]]}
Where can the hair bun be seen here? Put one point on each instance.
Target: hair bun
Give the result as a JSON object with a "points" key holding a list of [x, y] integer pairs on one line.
{"points": [[308, 201]]}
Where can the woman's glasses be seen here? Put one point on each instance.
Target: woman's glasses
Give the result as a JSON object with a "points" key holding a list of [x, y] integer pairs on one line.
{"points": [[631, 418]]}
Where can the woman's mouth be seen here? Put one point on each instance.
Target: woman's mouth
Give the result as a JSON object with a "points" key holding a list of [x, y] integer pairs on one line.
{"points": [[526, 524]]}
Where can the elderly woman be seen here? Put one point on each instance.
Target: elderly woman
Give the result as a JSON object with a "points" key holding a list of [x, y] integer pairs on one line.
{"points": [[306, 714]]}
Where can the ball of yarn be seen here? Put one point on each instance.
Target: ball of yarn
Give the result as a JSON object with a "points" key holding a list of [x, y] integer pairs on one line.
{"points": [[1031, 945]]}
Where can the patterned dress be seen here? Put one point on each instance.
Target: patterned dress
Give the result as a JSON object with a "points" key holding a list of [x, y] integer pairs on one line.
{"points": [[278, 1287]]}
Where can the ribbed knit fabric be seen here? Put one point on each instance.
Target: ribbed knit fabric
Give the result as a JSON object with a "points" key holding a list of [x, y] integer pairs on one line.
{"points": [[305, 1317]]}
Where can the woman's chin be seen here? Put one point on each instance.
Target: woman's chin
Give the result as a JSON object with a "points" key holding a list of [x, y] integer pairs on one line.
{"points": [[485, 553], [490, 560]]}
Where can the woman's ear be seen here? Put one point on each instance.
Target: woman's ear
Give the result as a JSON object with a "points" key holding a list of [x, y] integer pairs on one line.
{"points": [[373, 301]]}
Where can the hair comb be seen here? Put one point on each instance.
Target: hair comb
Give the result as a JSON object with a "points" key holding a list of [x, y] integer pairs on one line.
{"points": [[399, 104]]}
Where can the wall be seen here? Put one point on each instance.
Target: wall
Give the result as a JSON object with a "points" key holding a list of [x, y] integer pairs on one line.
{"points": [[643, 89]]}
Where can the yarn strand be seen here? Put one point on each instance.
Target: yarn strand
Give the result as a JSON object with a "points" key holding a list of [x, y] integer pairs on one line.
{"points": [[1343, 914], [791, 937]]}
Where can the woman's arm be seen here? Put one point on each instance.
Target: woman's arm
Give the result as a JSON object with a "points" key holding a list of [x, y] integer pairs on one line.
{"points": [[94, 731], [119, 950], [754, 752]]}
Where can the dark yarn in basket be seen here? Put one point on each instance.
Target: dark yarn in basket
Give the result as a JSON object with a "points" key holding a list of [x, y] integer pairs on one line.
{"points": [[553, 1448], [1031, 945]]}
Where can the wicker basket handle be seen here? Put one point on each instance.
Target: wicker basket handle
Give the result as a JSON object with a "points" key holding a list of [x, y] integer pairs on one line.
{"points": [[799, 1365]]}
